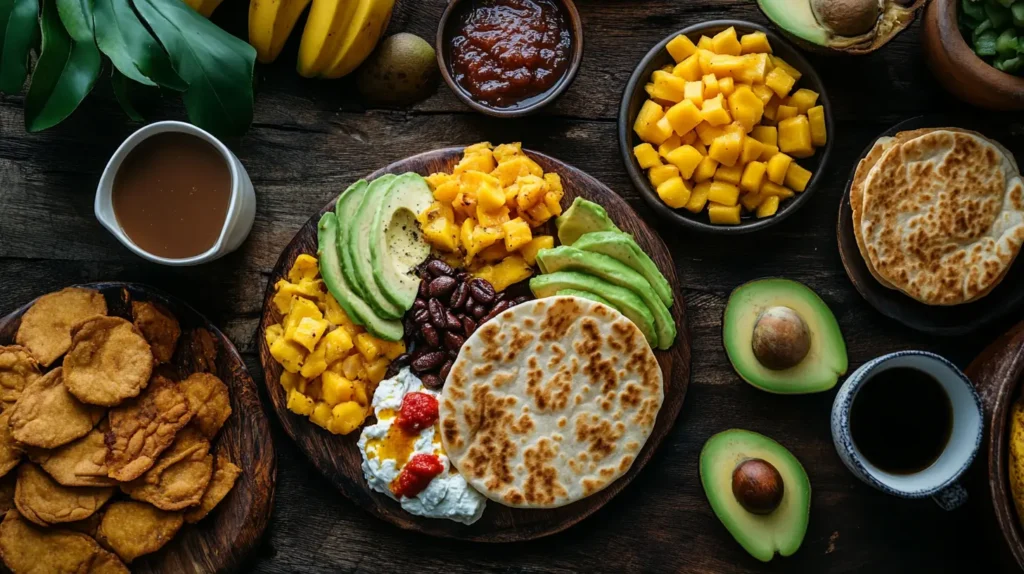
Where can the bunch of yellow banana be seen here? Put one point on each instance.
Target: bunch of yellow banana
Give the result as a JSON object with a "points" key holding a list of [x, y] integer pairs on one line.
{"points": [[338, 36], [204, 7]]}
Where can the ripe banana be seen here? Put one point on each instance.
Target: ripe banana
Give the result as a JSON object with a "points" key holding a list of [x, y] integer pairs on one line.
{"points": [[368, 24], [270, 23], [325, 30]]}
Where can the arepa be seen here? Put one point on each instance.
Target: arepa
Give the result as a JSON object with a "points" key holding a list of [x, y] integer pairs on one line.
{"points": [[550, 402], [943, 216]]}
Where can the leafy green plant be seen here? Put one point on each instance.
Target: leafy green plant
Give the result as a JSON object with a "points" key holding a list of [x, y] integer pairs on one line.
{"points": [[159, 44]]}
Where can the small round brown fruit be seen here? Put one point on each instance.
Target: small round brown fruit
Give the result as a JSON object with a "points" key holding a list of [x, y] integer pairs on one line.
{"points": [[757, 486], [847, 17], [781, 338], [400, 72]]}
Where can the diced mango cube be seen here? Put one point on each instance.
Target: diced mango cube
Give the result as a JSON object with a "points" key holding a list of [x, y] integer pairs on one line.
{"points": [[723, 65], [308, 332], [750, 201], [714, 113], [376, 370], [795, 137], [510, 270], [490, 195], [729, 174], [726, 86], [273, 333], [646, 155], [710, 86], [785, 112], [315, 363], [492, 218], [290, 355], [768, 207], [694, 92], [723, 193], [299, 403], [707, 132], [333, 312], [646, 119], [481, 160], [447, 191], [768, 152], [680, 48], [347, 417], [816, 115], [684, 116], [689, 69], [765, 134], [769, 188], [674, 193], [797, 177], [392, 349], [337, 344], [726, 148], [746, 107], [726, 42], [659, 174], [517, 233], [305, 267], [803, 99], [780, 63], [751, 150], [779, 81], [771, 109], [368, 346], [529, 251], [352, 366], [763, 93], [704, 57], [704, 43], [506, 152], [698, 197], [754, 69], [290, 380], [724, 214], [753, 175], [321, 415], [670, 144], [705, 169], [686, 158], [777, 167], [669, 86], [755, 43], [531, 191], [300, 309]]}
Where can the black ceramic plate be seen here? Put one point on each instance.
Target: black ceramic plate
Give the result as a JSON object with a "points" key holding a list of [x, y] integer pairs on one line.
{"points": [[635, 96], [937, 320]]}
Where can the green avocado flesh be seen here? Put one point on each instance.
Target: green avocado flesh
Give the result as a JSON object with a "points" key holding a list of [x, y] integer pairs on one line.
{"points": [[825, 360], [797, 18], [345, 210], [762, 535], [358, 244], [565, 258], [624, 248], [584, 295], [396, 245], [620, 298], [582, 217], [341, 289]]}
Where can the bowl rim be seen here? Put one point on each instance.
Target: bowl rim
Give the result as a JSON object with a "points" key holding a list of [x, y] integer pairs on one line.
{"points": [[553, 93], [640, 181], [948, 31]]}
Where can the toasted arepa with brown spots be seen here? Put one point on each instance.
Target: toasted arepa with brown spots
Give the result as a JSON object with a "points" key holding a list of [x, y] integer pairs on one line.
{"points": [[943, 216], [550, 402]]}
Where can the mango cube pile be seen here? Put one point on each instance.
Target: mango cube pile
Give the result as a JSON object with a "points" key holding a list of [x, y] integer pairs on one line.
{"points": [[485, 211], [331, 366], [722, 127]]}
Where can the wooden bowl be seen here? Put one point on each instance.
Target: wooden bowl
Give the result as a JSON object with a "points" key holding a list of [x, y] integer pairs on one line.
{"points": [[959, 69], [635, 96], [445, 31]]}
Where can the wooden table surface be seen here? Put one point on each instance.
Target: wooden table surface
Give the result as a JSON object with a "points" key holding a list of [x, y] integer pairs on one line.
{"points": [[311, 139]]}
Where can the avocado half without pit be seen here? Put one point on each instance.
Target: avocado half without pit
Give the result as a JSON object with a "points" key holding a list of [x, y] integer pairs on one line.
{"points": [[782, 338], [759, 491], [844, 26]]}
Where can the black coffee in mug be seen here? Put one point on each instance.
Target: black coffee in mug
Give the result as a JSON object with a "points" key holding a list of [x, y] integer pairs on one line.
{"points": [[901, 420]]}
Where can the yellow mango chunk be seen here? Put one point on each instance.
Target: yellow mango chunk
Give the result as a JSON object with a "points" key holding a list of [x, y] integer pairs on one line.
{"points": [[753, 70], [803, 100], [646, 119], [704, 57], [751, 150], [698, 197], [768, 152], [321, 415], [795, 137], [713, 111], [674, 193], [729, 174], [724, 65], [314, 365], [308, 332], [816, 116], [669, 145], [726, 86], [769, 188], [724, 214], [700, 147], [376, 370], [797, 177], [780, 63], [680, 48], [726, 148], [290, 355], [705, 169], [291, 381], [529, 251], [492, 218], [785, 112], [704, 43], [765, 134], [304, 267], [726, 42], [299, 403], [746, 107], [686, 158], [392, 349], [750, 201], [505, 152], [553, 201], [683, 116], [300, 309], [755, 43], [694, 92], [753, 175], [517, 233], [531, 191], [689, 69], [777, 167], [669, 85], [763, 93], [779, 81], [347, 417], [659, 174], [481, 160], [337, 344], [768, 207], [707, 132], [646, 155], [489, 193], [509, 271], [710, 86], [368, 346], [723, 193], [771, 109]]}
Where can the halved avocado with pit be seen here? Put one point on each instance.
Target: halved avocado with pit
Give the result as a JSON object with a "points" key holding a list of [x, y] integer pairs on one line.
{"points": [[759, 491], [846, 26], [782, 338]]}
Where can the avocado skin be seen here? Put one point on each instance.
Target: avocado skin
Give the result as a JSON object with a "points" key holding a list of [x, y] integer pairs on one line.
{"points": [[338, 286], [584, 295], [582, 217], [621, 299], [762, 536], [407, 192], [623, 247], [565, 258], [357, 231]]}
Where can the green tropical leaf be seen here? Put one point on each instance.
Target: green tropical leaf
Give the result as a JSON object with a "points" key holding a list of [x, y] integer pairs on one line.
{"points": [[64, 75], [76, 15], [131, 48], [19, 28], [122, 93], [217, 66]]}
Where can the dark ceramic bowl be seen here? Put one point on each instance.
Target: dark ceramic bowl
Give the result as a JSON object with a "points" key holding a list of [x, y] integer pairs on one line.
{"points": [[635, 96], [447, 29]]}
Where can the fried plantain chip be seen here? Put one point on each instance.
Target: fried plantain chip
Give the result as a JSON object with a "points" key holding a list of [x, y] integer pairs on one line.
{"points": [[79, 463], [28, 549], [42, 500], [45, 328], [180, 476], [17, 370], [210, 402], [158, 326], [47, 415], [224, 476], [109, 361], [131, 529], [140, 429]]}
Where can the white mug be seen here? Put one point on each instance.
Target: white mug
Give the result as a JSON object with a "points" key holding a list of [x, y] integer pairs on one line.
{"points": [[241, 209], [939, 480]]}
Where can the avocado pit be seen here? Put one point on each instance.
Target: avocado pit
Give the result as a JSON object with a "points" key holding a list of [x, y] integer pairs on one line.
{"points": [[847, 17], [781, 338], [757, 486]]}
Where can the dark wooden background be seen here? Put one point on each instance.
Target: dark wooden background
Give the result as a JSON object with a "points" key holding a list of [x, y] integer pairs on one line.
{"points": [[310, 139]]}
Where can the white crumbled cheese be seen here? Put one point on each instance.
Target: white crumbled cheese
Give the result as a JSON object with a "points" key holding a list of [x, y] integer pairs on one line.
{"points": [[448, 495]]}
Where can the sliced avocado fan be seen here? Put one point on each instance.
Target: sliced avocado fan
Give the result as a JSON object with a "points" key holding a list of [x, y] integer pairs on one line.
{"points": [[623, 247], [358, 244], [396, 245], [583, 216]]}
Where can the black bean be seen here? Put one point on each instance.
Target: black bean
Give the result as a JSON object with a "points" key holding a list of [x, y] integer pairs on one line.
{"points": [[421, 316], [441, 286], [437, 313], [478, 311], [481, 291], [392, 371], [468, 326], [438, 268], [462, 276], [453, 321], [520, 300], [499, 308], [419, 304], [428, 361], [460, 296], [402, 360], [430, 335], [453, 341], [501, 296], [423, 287], [446, 368], [432, 381]]}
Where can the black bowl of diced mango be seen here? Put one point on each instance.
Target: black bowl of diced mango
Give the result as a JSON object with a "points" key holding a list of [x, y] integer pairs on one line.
{"points": [[725, 127]]}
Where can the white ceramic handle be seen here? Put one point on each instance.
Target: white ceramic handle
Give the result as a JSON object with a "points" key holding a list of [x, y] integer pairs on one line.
{"points": [[951, 497]]}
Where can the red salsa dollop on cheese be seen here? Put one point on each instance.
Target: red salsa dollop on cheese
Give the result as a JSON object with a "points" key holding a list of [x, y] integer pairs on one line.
{"points": [[419, 411], [416, 475], [508, 51]]}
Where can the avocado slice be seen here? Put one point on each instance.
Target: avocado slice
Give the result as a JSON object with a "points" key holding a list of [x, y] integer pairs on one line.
{"points": [[621, 299], [345, 210], [759, 491], [848, 26], [357, 241], [396, 244], [582, 217], [782, 338], [339, 287], [623, 247], [565, 258], [584, 295]]}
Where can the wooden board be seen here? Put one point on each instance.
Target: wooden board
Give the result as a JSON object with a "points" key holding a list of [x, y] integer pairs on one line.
{"points": [[221, 541], [337, 456], [937, 320]]}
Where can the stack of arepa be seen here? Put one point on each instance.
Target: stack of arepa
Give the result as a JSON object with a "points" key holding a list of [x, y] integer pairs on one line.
{"points": [[938, 213]]}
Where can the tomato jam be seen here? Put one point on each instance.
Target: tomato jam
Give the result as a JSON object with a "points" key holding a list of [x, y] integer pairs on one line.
{"points": [[419, 411], [508, 51], [416, 475]]}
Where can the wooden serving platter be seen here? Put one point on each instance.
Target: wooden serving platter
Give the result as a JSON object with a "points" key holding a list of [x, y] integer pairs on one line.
{"points": [[220, 542], [337, 456], [936, 320]]}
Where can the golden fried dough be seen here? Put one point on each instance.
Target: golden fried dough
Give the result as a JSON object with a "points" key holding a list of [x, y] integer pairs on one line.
{"points": [[87, 525], [180, 476], [209, 400], [199, 352], [46, 327], [7, 484], [158, 326], [42, 500], [140, 429], [17, 370], [10, 452], [131, 529], [27, 549], [47, 415], [79, 463], [109, 361], [224, 476]]}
